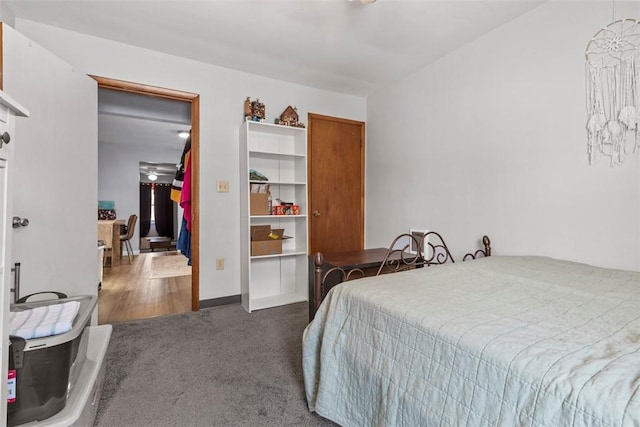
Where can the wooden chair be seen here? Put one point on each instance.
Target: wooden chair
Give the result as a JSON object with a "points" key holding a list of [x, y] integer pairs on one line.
{"points": [[126, 238]]}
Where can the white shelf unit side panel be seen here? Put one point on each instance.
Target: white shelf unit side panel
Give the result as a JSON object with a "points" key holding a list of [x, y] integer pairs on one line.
{"points": [[245, 245]]}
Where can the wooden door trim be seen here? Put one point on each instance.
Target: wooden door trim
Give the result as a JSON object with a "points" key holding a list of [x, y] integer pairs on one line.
{"points": [[125, 86], [311, 117], [194, 99]]}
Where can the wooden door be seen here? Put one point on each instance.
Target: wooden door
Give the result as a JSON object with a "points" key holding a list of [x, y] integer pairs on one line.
{"points": [[336, 184]]}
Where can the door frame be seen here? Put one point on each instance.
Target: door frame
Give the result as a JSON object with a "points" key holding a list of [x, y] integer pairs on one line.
{"points": [[194, 100], [362, 125]]}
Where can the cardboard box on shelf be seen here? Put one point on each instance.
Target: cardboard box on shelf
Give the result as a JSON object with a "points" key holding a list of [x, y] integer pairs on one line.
{"points": [[266, 240], [259, 204]]}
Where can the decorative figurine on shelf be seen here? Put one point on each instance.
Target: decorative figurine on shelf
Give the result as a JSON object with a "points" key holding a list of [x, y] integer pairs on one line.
{"points": [[247, 108], [289, 117], [254, 110]]}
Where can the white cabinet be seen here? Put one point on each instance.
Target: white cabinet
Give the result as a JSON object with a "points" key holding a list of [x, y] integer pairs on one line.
{"points": [[280, 154], [9, 109]]}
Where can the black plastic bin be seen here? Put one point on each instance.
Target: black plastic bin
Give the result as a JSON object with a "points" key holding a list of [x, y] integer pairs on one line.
{"points": [[47, 368]]}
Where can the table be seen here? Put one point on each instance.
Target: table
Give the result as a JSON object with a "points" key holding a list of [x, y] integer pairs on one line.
{"points": [[109, 231], [367, 260]]}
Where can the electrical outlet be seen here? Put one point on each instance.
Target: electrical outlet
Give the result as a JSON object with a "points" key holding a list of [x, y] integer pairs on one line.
{"points": [[219, 263], [222, 186]]}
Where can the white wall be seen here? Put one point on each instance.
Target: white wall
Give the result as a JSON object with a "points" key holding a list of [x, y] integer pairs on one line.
{"points": [[222, 93], [54, 169], [6, 15], [491, 140], [119, 176]]}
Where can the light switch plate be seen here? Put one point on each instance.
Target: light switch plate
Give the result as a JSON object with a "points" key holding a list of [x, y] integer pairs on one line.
{"points": [[222, 186]]}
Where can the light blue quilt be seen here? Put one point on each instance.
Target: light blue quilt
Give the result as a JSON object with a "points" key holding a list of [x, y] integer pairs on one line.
{"points": [[500, 341]]}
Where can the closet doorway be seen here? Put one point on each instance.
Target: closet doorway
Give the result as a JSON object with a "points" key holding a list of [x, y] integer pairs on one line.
{"points": [[176, 298]]}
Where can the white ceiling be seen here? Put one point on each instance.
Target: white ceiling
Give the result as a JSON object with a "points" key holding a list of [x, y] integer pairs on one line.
{"points": [[338, 45], [127, 118], [164, 171]]}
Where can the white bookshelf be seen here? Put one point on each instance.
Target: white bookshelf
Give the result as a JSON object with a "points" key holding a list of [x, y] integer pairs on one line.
{"points": [[279, 153]]}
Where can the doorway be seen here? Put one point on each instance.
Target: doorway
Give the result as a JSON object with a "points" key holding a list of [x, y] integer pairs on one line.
{"points": [[144, 260], [160, 211], [336, 184]]}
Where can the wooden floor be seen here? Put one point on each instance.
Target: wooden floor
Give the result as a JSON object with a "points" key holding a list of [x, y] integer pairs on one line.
{"points": [[128, 293]]}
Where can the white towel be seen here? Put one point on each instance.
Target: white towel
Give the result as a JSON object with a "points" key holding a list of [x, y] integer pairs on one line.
{"points": [[43, 321]]}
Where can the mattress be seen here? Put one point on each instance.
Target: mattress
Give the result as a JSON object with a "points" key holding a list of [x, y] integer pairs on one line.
{"points": [[500, 341]]}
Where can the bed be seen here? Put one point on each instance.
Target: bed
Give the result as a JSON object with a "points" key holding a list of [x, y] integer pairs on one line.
{"points": [[497, 341]]}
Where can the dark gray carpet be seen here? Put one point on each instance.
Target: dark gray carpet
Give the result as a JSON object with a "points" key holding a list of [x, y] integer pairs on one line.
{"points": [[218, 367]]}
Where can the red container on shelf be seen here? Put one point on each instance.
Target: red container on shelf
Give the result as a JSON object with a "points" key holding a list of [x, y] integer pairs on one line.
{"points": [[285, 210]]}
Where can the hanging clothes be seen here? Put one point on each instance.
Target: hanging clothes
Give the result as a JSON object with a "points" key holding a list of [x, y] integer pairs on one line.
{"points": [[176, 185], [185, 194], [184, 241]]}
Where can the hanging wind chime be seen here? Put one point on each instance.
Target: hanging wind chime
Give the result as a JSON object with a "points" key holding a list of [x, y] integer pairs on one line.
{"points": [[613, 95]]}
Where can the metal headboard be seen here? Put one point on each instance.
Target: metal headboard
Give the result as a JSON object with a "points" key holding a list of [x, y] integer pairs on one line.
{"points": [[398, 258]]}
